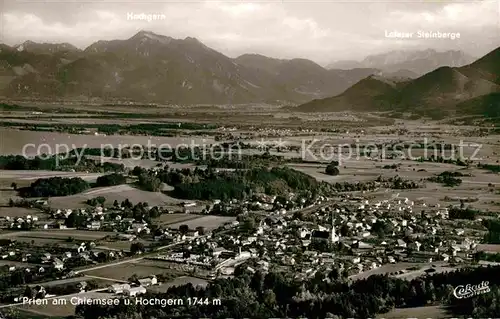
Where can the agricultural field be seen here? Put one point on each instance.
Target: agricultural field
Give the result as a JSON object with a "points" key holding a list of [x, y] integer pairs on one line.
{"points": [[209, 222], [362, 169], [418, 312], [76, 234], [141, 268], [61, 282], [488, 248], [440, 268], [120, 244], [391, 268], [30, 176], [481, 196], [39, 242], [17, 264], [118, 193], [6, 191], [168, 219], [59, 236], [346, 175]]}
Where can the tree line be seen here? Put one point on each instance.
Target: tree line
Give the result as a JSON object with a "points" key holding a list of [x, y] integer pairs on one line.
{"points": [[55, 186], [327, 295], [210, 184], [57, 163]]}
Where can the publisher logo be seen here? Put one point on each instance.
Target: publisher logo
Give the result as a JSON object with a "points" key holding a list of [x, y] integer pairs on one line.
{"points": [[468, 290]]}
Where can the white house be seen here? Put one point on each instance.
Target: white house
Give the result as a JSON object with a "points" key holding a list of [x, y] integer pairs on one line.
{"points": [[46, 257], [192, 233], [303, 233], [146, 282], [132, 292], [119, 288], [138, 227], [401, 243], [95, 225], [58, 264]]}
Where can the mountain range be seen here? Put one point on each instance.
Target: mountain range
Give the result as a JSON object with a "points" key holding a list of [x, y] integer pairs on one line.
{"points": [[408, 63], [470, 89], [154, 68]]}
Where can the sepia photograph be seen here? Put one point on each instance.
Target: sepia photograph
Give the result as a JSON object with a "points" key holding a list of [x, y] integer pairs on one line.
{"points": [[249, 159]]}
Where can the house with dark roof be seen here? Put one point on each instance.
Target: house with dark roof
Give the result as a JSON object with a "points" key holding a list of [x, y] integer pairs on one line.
{"points": [[319, 235]]}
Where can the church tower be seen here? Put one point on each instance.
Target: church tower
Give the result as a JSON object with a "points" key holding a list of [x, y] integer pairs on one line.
{"points": [[333, 236]]}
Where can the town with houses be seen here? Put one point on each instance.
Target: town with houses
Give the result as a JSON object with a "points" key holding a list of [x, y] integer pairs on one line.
{"points": [[249, 160], [353, 234]]}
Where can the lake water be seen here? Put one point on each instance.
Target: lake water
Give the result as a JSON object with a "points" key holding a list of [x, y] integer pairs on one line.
{"points": [[14, 141]]}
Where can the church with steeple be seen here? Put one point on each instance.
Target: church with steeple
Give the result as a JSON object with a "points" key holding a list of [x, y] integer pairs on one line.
{"points": [[328, 236], [333, 236]]}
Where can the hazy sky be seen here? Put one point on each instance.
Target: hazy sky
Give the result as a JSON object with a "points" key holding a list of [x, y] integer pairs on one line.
{"points": [[323, 31]]}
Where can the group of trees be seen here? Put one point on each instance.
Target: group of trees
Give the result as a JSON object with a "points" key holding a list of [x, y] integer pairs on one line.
{"points": [[99, 200], [396, 182], [481, 255], [55, 186], [147, 179], [448, 179], [209, 184], [382, 228], [76, 220], [393, 166], [27, 203], [55, 162], [245, 161], [441, 159], [137, 247], [149, 182], [139, 211], [222, 155], [489, 167], [380, 182], [20, 277], [107, 152], [332, 168], [462, 213], [110, 180], [326, 295], [65, 289], [19, 162], [493, 235]]}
